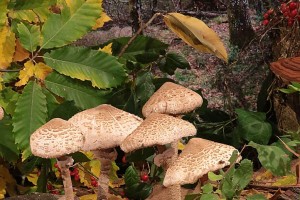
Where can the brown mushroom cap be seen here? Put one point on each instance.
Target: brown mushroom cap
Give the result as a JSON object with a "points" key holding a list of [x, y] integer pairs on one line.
{"points": [[172, 98], [56, 138], [157, 129], [287, 68], [199, 157], [1, 113], [105, 126]]}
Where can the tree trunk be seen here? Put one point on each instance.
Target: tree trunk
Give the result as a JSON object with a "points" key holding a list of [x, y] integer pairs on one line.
{"points": [[135, 13], [240, 28]]}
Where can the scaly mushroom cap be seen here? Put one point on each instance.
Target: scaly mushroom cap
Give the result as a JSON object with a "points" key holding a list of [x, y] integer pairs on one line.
{"points": [[157, 129], [56, 138], [171, 98], [1, 113], [199, 157], [287, 68], [105, 126]]}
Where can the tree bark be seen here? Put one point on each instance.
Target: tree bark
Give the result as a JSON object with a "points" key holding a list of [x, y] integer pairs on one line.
{"points": [[240, 28]]}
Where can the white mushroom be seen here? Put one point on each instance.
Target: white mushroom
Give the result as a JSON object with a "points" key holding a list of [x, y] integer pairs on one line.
{"points": [[104, 127], [199, 157], [56, 139], [1, 113]]}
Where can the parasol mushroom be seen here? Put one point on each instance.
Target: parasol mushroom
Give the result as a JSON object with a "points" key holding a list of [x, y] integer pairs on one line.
{"points": [[1, 113], [287, 68], [56, 139], [104, 128], [199, 157]]}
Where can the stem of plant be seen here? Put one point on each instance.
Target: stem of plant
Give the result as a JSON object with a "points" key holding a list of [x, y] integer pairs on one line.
{"points": [[64, 162]]}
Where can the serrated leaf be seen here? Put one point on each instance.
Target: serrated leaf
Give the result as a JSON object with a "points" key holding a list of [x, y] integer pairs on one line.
{"points": [[101, 21], [3, 13], [83, 95], [8, 148], [273, 158], [71, 24], [36, 15], [103, 70], [30, 114], [252, 126], [7, 47], [29, 36], [131, 176], [107, 49], [196, 33], [172, 61], [31, 4], [20, 53], [8, 100]]}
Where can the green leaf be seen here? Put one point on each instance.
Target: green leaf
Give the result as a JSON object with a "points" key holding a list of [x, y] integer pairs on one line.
{"points": [[52, 103], [8, 100], [29, 36], [79, 157], [273, 158], [253, 126], [192, 197], [131, 176], [214, 177], [144, 87], [138, 191], [3, 12], [8, 148], [30, 114], [83, 95], [103, 70], [209, 197], [31, 4], [235, 181], [65, 111], [140, 154], [172, 61], [207, 188], [71, 24], [256, 197]]}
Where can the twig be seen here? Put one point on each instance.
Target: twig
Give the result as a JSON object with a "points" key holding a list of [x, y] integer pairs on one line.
{"points": [[10, 70], [288, 148], [137, 33]]}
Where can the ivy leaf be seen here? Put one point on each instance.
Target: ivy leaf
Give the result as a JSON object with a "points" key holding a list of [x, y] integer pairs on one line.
{"points": [[144, 87], [273, 158], [7, 47], [172, 61], [71, 24], [103, 70], [30, 114], [29, 36], [253, 126], [83, 95], [8, 148]]}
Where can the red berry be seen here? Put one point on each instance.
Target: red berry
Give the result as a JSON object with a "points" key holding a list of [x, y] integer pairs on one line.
{"points": [[49, 186], [265, 22], [283, 7], [144, 177], [124, 159], [270, 11], [76, 177], [122, 193], [56, 165], [54, 192], [76, 171], [286, 13], [266, 16], [93, 178], [94, 183], [293, 6], [291, 22], [293, 13]]}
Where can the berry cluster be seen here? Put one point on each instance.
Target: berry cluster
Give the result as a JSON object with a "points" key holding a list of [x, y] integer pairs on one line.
{"points": [[290, 12], [94, 182], [73, 172], [53, 190]]}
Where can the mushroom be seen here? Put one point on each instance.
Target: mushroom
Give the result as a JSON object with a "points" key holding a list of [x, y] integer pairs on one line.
{"points": [[104, 128], [1, 113], [287, 68], [56, 139], [199, 157], [159, 129]]}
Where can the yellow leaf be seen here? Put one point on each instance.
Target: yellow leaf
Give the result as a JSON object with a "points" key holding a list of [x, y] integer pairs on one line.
{"points": [[7, 182], [107, 49], [33, 176], [7, 47], [2, 188], [26, 73], [290, 179], [101, 21], [196, 33], [41, 71], [180, 146], [89, 197], [20, 53]]}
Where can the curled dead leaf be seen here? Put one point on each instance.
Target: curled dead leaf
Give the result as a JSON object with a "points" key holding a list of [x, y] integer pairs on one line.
{"points": [[287, 68]]}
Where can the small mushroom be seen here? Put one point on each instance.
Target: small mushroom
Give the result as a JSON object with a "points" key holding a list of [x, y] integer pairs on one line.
{"points": [[104, 128], [1, 113], [199, 157], [287, 68], [56, 139]]}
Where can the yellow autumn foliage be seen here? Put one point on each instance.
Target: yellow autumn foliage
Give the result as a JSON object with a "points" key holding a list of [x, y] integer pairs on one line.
{"points": [[20, 53], [101, 21], [107, 49], [7, 47]]}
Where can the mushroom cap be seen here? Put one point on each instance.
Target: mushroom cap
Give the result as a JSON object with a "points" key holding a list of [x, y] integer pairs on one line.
{"points": [[172, 98], [1, 113], [104, 126], [157, 129], [287, 68], [56, 138], [199, 157]]}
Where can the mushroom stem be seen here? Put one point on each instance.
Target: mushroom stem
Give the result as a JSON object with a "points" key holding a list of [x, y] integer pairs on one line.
{"points": [[105, 156], [175, 189], [64, 162]]}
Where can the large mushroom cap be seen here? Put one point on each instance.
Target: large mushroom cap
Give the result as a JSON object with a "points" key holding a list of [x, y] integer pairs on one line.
{"points": [[157, 129], [56, 138], [1, 113], [199, 157], [171, 98], [105, 126], [287, 68]]}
